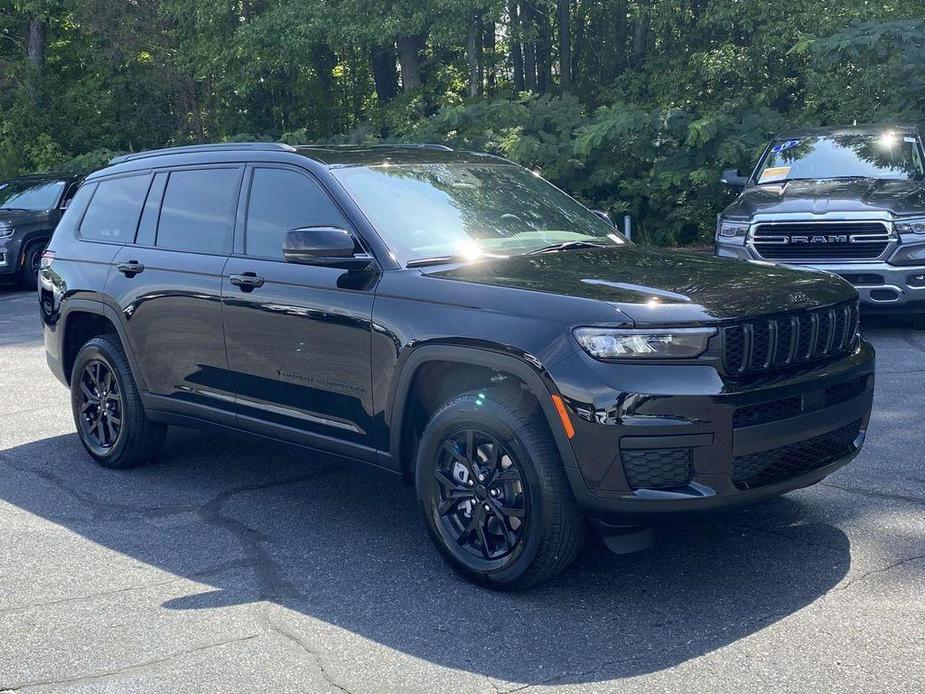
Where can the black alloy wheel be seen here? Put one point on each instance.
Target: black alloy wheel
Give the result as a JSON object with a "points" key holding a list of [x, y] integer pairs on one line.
{"points": [[101, 406], [481, 497]]}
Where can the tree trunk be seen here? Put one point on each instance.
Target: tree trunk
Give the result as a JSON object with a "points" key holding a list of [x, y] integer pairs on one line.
{"points": [[544, 51], [517, 54], [35, 42], [527, 24], [324, 63], [641, 34], [621, 31], [565, 45], [409, 48], [473, 39], [384, 75], [578, 50], [490, 58]]}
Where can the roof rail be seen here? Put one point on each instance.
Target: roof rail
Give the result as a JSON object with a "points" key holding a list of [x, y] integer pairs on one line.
{"points": [[218, 147], [407, 145]]}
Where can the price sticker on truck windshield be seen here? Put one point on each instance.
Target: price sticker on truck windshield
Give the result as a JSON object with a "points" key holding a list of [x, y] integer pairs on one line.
{"points": [[774, 173]]}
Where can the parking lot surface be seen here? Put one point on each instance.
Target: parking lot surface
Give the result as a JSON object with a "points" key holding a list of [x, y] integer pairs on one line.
{"points": [[228, 567]]}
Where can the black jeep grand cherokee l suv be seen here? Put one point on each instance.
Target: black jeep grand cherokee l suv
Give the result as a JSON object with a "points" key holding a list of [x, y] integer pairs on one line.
{"points": [[455, 319]]}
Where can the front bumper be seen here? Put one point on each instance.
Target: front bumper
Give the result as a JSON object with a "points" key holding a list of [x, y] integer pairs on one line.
{"points": [[742, 443], [881, 286], [9, 257]]}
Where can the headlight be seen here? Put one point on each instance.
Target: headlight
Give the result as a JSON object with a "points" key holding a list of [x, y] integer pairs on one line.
{"points": [[910, 226], [729, 228], [6, 230], [667, 343]]}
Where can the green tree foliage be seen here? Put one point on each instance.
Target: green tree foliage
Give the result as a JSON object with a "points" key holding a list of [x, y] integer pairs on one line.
{"points": [[633, 105]]}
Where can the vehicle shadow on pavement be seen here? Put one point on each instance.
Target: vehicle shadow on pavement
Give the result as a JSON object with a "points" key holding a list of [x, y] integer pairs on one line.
{"points": [[347, 547]]}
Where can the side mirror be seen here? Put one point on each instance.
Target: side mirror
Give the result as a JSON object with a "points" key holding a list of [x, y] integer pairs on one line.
{"points": [[325, 247], [734, 179], [606, 217]]}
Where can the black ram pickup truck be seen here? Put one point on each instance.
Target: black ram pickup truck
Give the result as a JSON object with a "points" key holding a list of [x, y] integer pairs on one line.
{"points": [[452, 318], [848, 200]]}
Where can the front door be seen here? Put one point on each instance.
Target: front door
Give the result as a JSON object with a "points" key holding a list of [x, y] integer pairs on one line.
{"points": [[298, 336]]}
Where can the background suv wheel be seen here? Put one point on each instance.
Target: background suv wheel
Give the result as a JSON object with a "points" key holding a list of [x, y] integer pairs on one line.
{"points": [[107, 408], [493, 492], [32, 261]]}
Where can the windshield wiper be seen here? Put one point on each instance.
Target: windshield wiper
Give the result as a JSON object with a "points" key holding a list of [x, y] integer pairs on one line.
{"points": [[447, 259], [567, 246]]}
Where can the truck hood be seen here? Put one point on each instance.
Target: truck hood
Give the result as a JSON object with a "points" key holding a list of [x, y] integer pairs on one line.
{"points": [[900, 198], [660, 286]]}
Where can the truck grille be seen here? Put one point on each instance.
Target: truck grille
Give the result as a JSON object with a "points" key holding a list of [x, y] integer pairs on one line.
{"points": [[779, 464], [821, 240], [800, 339]]}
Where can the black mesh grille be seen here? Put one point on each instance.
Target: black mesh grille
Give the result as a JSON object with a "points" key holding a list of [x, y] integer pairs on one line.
{"points": [[657, 468], [765, 412], [845, 391], [821, 240], [797, 340], [779, 464]]}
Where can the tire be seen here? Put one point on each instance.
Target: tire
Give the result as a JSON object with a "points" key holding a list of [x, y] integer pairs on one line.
{"points": [[28, 273], [524, 477], [122, 436]]}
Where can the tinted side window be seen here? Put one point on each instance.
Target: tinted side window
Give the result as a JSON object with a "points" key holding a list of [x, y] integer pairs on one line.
{"points": [[114, 210], [281, 200], [197, 214]]}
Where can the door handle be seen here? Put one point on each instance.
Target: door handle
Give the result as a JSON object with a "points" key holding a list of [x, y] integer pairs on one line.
{"points": [[247, 281], [131, 268]]}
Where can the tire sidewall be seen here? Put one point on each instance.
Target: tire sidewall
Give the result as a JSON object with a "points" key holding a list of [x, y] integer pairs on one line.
{"points": [[100, 350], [491, 419]]}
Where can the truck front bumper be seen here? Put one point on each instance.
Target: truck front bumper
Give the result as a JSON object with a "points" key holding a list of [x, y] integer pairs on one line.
{"points": [[883, 288]]}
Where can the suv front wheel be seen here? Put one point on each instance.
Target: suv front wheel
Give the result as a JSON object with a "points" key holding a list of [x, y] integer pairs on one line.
{"points": [[110, 419], [493, 491]]}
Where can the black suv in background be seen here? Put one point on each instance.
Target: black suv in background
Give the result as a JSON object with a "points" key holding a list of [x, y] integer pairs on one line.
{"points": [[452, 318], [848, 200], [30, 208]]}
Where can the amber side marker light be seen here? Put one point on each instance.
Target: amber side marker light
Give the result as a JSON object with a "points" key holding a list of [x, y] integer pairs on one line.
{"points": [[563, 415]]}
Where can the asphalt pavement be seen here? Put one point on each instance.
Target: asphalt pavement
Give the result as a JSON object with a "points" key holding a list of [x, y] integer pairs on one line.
{"points": [[229, 566]]}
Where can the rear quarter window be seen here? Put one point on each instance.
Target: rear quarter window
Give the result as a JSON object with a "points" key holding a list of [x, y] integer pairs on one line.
{"points": [[114, 210]]}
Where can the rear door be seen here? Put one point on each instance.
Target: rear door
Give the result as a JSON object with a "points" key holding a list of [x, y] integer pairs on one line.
{"points": [[169, 286], [298, 336]]}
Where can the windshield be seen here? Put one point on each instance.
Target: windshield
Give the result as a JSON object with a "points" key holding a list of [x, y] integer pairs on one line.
{"points": [[885, 155], [30, 195], [434, 210]]}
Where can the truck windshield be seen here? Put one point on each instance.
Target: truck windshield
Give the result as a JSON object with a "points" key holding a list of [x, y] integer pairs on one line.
{"points": [[885, 155], [30, 195], [449, 210]]}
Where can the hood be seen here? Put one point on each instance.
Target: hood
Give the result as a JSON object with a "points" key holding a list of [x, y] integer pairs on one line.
{"points": [[23, 217], [661, 286], [901, 198]]}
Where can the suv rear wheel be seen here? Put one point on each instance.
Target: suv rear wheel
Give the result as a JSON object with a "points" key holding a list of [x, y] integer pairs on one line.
{"points": [[493, 492], [107, 408], [32, 261]]}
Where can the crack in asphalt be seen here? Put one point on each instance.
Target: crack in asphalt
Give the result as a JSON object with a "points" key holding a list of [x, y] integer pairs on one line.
{"points": [[271, 625], [867, 574], [205, 573], [876, 495], [135, 667]]}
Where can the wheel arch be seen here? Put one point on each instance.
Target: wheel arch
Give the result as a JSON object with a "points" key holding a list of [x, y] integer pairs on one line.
{"points": [[526, 368], [83, 319]]}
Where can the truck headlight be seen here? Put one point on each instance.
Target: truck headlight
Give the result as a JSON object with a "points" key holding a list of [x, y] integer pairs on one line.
{"points": [[730, 228], [6, 230], [914, 225], [662, 343]]}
